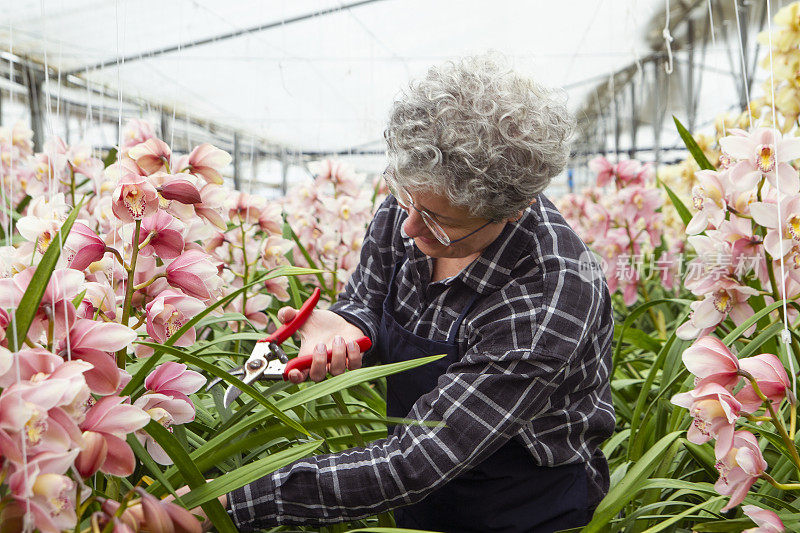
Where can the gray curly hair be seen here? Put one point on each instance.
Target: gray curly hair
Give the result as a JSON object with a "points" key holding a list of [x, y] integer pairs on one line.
{"points": [[479, 134]]}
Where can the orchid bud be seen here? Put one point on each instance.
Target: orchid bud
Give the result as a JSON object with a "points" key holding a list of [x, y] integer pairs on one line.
{"points": [[155, 514], [182, 520], [93, 454], [180, 190], [132, 516]]}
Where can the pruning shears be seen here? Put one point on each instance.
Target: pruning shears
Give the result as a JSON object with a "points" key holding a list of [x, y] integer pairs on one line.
{"points": [[269, 362]]}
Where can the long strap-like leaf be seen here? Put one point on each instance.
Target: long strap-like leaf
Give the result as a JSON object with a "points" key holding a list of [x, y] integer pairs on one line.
{"points": [[17, 330]]}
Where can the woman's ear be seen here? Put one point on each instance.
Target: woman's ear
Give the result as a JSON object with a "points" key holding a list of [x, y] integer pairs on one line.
{"points": [[515, 217]]}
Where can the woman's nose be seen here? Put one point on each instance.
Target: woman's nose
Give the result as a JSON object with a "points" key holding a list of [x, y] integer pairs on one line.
{"points": [[414, 225]]}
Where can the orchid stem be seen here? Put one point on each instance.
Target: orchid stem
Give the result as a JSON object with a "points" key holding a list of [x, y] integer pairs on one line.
{"points": [[116, 254], [778, 423], [244, 278], [126, 306], [140, 321], [147, 239], [782, 486], [149, 282]]}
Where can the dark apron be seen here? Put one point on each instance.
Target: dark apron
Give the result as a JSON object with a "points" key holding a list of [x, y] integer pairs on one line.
{"points": [[507, 491]]}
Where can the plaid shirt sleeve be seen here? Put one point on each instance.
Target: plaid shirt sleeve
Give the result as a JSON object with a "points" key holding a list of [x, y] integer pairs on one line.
{"points": [[529, 344]]}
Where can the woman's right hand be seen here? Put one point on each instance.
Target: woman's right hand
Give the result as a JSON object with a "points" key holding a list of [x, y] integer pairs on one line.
{"points": [[324, 329]]}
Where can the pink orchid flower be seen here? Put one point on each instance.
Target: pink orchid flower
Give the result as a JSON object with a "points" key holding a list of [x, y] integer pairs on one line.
{"points": [[728, 299], [195, 273], [167, 411], [213, 197], [767, 521], [113, 418], [83, 247], [270, 219], [64, 285], [604, 170], [708, 198], [165, 234], [786, 230], [253, 311], [771, 377], [739, 468], [206, 161], [151, 155], [714, 411], [711, 361], [168, 312], [714, 262], [94, 342], [43, 219], [31, 361], [80, 159], [39, 411], [134, 198], [246, 208], [174, 379], [100, 297], [43, 489], [135, 132], [631, 172], [761, 153]]}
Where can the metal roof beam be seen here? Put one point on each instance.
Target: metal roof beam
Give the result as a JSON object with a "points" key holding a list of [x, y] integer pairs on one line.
{"points": [[218, 38]]}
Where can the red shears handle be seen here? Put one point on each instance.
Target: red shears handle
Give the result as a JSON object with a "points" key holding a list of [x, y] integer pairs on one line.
{"points": [[287, 330], [304, 362]]}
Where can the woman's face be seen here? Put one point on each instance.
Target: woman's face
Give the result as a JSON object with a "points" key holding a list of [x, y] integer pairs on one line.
{"points": [[455, 221]]}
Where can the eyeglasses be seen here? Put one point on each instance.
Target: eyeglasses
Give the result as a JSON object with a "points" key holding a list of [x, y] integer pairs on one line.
{"points": [[405, 201]]}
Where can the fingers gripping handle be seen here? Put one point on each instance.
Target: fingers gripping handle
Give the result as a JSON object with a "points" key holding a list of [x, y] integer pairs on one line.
{"points": [[304, 362]]}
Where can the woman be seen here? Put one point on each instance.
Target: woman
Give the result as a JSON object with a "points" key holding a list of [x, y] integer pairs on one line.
{"points": [[466, 258]]}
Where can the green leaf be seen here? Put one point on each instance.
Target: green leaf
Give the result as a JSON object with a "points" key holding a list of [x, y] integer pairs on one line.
{"points": [[683, 211], [313, 392], [639, 338], [258, 438], [636, 313], [734, 335], [386, 530], [17, 330], [236, 382], [626, 490], [191, 475], [226, 317], [635, 448], [773, 331], [151, 465], [680, 516], [247, 474], [691, 145], [111, 158]]}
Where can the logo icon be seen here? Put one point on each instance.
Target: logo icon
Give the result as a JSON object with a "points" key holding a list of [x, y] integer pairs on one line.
{"points": [[591, 266]]}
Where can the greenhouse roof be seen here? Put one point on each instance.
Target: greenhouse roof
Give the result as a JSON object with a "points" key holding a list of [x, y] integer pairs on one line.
{"points": [[315, 75]]}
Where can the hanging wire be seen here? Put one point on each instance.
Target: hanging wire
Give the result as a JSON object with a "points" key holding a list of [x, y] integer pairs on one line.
{"points": [[114, 227], [27, 520], [178, 72], [667, 41], [711, 23], [785, 333], [741, 56]]}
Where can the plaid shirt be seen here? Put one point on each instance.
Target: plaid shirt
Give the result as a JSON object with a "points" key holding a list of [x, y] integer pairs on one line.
{"points": [[536, 363]]}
